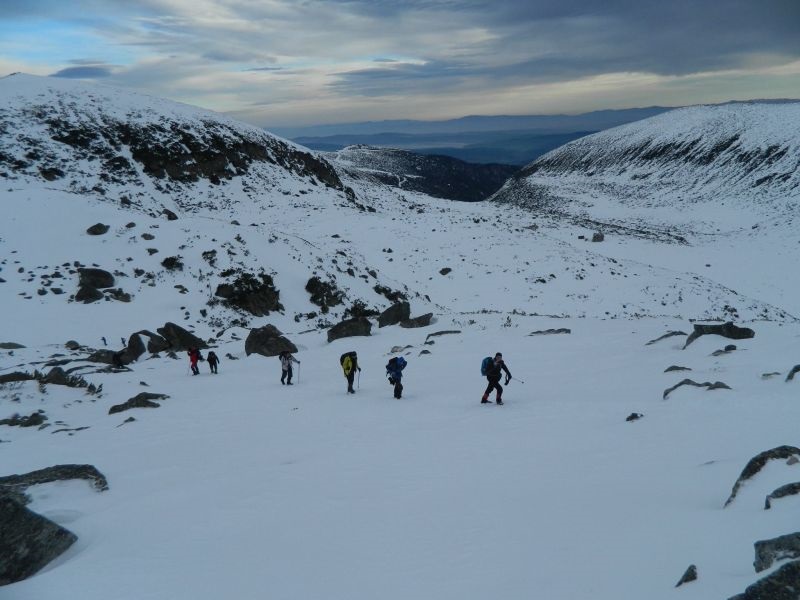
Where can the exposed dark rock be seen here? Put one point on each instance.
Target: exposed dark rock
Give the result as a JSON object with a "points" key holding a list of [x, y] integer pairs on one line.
{"points": [[56, 376], [96, 278], [72, 345], [676, 368], [16, 376], [324, 293], [98, 229], [350, 328], [782, 584], [790, 489], [267, 341], [33, 420], [119, 295], [134, 349], [88, 294], [444, 332], [390, 294], [56, 473], [102, 356], [171, 216], [634, 416], [424, 352], [148, 236], [394, 314], [180, 339], [255, 294], [689, 575], [172, 263], [445, 271], [757, 463], [665, 336], [717, 385], [795, 369], [770, 375], [728, 330], [598, 237], [155, 343], [28, 541], [140, 400], [551, 331], [770, 551], [421, 321], [726, 350], [10, 346]]}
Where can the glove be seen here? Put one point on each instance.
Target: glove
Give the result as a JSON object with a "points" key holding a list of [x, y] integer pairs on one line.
{"points": [[359, 369], [508, 379]]}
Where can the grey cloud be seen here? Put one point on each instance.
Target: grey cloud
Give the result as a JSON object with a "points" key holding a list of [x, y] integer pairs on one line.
{"points": [[86, 72]]}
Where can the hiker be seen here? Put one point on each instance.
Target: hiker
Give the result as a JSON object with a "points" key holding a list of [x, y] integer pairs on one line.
{"points": [[286, 367], [194, 356], [493, 369], [116, 359], [394, 370], [213, 361], [349, 362]]}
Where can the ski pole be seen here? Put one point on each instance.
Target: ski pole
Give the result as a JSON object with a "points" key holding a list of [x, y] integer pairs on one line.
{"points": [[515, 379], [298, 372], [359, 379]]}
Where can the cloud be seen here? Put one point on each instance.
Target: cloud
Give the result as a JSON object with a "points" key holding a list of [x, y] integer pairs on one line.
{"points": [[84, 72]]}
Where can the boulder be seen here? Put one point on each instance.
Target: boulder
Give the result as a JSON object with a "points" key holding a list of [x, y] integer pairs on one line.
{"points": [[96, 278], [140, 400], [87, 294], [689, 575], [98, 229], [15, 376], [769, 552], [669, 334], [782, 584], [728, 330], [102, 356], [56, 376], [72, 345], [394, 314], [421, 321], [634, 416], [790, 489], [267, 341], [180, 339], [155, 343], [755, 464], [598, 237], [56, 473], [10, 346], [133, 350], [350, 328], [28, 541], [171, 216], [255, 294], [717, 385]]}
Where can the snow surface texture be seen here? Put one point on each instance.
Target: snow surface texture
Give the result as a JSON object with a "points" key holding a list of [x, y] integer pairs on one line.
{"points": [[239, 487]]}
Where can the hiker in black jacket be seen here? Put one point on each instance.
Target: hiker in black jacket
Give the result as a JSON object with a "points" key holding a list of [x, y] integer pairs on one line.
{"points": [[493, 375], [213, 361]]}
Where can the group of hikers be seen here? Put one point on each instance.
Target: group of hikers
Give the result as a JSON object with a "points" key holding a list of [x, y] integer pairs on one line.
{"points": [[491, 368]]}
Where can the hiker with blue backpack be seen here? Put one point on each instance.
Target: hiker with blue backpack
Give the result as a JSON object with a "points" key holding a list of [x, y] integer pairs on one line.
{"points": [[394, 371], [493, 369]]}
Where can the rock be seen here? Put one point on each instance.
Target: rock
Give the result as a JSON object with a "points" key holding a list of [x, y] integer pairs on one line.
{"points": [[598, 237], [676, 368], [728, 330], [444, 332], [102, 356], [757, 463], [180, 339], [28, 541], [634, 416], [790, 489], [155, 343], [726, 350], [770, 375], [665, 336], [689, 575], [10, 346], [424, 352], [795, 369], [98, 229], [255, 294], [400, 311], [267, 341], [782, 584], [148, 236], [421, 321], [133, 350], [119, 295], [551, 331], [717, 385], [72, 345], [96, 278], [33, 420], [230, 356], [323, 293], [792, 460], [88, 294], [56, 376], [140, 400], [172, 263], [171, 216], [56, 473], [350, 328], [15, 376], [770, 551], [445, 271]]}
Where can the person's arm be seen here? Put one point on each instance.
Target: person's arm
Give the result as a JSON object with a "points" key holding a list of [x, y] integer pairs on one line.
{"points": [[508, 373]]}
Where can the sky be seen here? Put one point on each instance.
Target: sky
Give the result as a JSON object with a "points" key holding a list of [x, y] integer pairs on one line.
{"points": [[304, 62]]}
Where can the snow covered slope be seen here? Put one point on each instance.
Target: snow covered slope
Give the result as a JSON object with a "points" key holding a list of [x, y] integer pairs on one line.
{"points": [[239, 487]]}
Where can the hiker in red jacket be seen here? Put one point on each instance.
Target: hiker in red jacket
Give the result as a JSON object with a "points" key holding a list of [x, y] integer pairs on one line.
{"points": [[194, 356]]}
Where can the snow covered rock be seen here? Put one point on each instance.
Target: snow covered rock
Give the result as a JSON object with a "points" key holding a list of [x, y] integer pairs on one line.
{"points": [[728, 330], [180, 339], [400, 311], [98, 229], [349, 328], [790, 489], [267, 341], [140, 400], [95, 278], [782, 584], [421, 321], [755, 464]]}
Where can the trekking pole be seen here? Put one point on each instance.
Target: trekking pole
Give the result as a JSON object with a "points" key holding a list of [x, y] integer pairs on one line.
{"points": [[359, 379], [298, 373], [515, 379]]}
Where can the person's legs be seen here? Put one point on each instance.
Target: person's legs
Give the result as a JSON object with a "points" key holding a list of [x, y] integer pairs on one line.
{"points": [[289, 375], [350, 378], [283, 376], [499, 388], [488, 391]]}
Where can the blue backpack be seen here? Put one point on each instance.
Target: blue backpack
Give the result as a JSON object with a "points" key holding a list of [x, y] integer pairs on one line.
{"points": [[485, 364]]}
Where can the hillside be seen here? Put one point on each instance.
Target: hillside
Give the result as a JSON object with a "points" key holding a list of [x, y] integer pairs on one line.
{"points": [[233, 485]]}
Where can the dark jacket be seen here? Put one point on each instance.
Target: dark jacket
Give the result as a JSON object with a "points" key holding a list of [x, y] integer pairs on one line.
{"points": [[495, 370]]}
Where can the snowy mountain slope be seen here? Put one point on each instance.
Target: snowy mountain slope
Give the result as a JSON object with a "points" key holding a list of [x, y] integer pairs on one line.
{"points": [[239, 487], [437, 176]]}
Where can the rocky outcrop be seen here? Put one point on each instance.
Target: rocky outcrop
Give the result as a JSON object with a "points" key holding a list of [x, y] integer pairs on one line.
{"points": [[717, 385], [28, 541], [598, 237], [790, 489], [728, 330], [133, 350], [140, 400], [443, 332], [55, 473], [672, 368], [783, 584], [665, 336], [349, 328], [155, 343], [180, 339], [267, 341], [394, 314], [562, 330], [324, 293], [95, 278], [421, 321], [769, 552], [35, 419], [10, 346], [255, 294], [795, 369], [15, 376], [757, 463], [689, 575]]}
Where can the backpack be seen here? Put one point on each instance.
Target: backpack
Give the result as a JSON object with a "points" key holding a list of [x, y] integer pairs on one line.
{"points": [[398, 363], [347, 360], [486, 364]]}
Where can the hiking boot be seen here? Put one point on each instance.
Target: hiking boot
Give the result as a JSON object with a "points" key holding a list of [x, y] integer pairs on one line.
{"points": [[499, 401], [289, 383]]}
